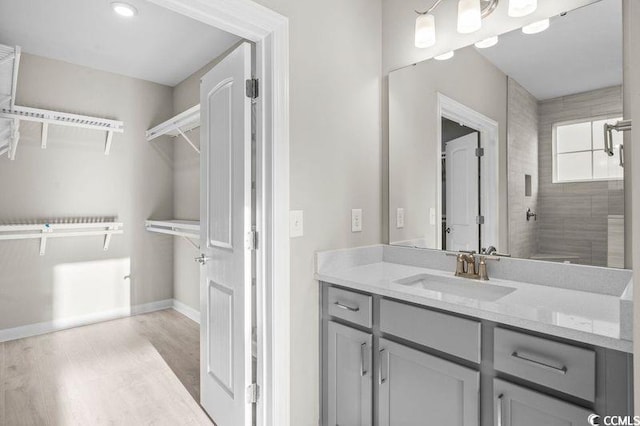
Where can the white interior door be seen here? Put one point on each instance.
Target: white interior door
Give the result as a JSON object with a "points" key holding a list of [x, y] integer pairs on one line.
{"points": [[225, 223], [462, 200]]}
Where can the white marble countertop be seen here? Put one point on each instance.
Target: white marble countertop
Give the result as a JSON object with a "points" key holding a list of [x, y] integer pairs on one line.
{"points": [[588, 317]]}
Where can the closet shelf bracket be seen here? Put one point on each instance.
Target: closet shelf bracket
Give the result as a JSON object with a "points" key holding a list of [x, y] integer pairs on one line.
{"points": [[179, 125], [47, 117], [189, 230], [46, 231]]}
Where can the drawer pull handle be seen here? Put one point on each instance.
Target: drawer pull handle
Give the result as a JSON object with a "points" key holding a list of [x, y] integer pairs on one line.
{"points": [[532, 361], [363, 355], [346, 307], [381, 379], [499, 409]]}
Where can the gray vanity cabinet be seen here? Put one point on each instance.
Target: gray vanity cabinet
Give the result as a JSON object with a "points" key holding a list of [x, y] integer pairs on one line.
{"points": [[420, 389], [349, 370], [518, 406], [386, 362]]}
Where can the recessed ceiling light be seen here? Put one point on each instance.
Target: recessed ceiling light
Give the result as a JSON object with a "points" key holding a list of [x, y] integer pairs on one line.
{"points": [[444, 56], [536, 27], [487, 42], [124, 9]]}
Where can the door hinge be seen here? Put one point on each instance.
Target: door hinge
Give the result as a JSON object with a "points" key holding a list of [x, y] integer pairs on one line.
{"points": [[253, 393], [252, 89], [479, 220], [479, 152], [253, 240]]}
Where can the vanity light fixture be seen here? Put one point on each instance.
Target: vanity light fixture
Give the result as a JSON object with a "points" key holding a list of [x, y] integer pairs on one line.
{"points": [[536, 27], [444, 56], [470, 14], [487, 42], [520, 8], [425, 30], [124, 9]]}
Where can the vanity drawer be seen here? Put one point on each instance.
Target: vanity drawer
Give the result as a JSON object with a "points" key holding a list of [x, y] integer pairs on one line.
{"points": [[559, 366], [446, 333], [350, 306]]}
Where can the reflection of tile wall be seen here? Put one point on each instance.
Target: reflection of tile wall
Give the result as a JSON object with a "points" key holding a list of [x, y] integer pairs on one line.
{"points": [[573, 217], [522, 140]]}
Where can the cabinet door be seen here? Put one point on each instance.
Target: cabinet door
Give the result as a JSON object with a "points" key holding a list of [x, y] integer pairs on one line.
{"points": [[420, 389], [349, 385], [518, 406]]}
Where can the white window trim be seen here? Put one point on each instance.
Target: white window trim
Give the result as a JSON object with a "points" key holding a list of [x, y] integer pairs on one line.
{"points": [[554, 142]]}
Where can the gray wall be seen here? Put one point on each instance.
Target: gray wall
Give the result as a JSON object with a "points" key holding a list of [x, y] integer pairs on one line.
{"points": [[573, 217], [72, 178], [413, 134], [334, 86], [522, 140]]}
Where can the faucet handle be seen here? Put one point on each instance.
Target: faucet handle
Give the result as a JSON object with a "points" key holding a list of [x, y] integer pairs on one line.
{"points": [[460, 265], [482, 266]]}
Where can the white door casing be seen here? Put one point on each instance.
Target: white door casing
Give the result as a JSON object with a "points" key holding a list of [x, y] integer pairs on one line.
{"points": [[462, 193], [489, 164], [269, 30], [226, 208]]}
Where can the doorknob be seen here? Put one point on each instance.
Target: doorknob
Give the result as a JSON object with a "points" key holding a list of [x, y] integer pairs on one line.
{"points": [[202, 259], [448, 230]]}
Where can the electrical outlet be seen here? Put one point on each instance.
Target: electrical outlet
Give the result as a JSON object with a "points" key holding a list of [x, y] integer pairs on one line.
{"points": [[356, 220], [399, 217], [296, 224], [432, 216]]}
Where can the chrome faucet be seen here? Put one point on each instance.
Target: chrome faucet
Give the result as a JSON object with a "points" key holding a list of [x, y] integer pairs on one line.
{"points": [[466, 265]]}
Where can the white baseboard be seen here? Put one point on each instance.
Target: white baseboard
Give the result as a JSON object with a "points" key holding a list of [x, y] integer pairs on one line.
{"points": [[64, 323], [186, 310]]}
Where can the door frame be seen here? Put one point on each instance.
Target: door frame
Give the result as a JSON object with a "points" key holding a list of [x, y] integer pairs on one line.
{"points": [[489, 201], [270, 33]]}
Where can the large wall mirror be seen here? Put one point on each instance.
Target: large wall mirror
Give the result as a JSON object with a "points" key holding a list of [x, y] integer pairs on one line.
{"points": [[501, 147]]}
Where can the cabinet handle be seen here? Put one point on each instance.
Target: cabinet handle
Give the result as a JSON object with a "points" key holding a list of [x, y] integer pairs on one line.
{"points": [[499, 409], [381, 379], [363, 354], [346, 307], [532, 361]]}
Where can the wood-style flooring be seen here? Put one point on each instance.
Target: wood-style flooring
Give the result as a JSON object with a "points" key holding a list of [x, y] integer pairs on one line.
{"points": [[141, 370]]}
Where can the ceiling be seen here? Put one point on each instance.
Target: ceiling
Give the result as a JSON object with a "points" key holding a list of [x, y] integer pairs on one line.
{"points": [[580, 51], [156, 45]]}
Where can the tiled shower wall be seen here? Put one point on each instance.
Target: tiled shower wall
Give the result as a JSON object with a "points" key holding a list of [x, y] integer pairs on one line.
{"points": [[573, 217], [522, 136]]}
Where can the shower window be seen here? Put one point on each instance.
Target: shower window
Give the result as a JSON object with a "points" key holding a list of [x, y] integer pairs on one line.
{"points": [[578, 151]]}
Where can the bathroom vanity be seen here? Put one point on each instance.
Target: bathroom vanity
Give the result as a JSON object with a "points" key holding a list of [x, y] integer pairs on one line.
{"points": [[404, 342]]}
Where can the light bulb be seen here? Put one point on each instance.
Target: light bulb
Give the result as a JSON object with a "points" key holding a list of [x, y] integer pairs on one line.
{"points": [[469, 16], [520, 8], [444, 56], [536, 27], [425, 31], [487, 42]]}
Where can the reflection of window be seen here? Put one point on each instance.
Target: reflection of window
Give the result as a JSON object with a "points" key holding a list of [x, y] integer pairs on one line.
{"points": [[578, 151]]}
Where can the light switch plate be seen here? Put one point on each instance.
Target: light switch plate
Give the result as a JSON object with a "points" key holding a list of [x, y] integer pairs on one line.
{"points": [[399, 218], [296, 223], [356, 220], [432, 216]]}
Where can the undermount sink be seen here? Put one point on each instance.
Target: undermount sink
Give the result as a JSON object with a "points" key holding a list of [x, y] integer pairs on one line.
{"points": [[472, 289]]}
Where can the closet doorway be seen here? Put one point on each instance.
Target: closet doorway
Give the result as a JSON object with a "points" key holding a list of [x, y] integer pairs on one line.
{"points": [[144, 185]]}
